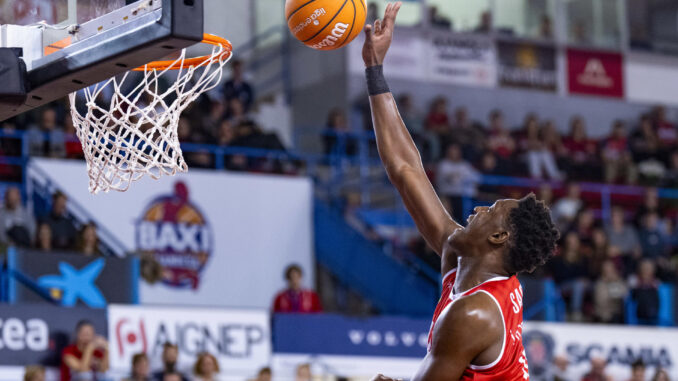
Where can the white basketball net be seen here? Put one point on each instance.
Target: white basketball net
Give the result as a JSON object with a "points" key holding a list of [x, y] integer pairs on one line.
{"points": [[137, 133]]}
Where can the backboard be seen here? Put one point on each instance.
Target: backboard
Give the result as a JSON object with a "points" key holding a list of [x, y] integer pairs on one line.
{"points": [[66, 45]]}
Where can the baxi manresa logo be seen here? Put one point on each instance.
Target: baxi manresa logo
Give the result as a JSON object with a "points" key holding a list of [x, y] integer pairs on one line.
{"points": [[176, 233]]}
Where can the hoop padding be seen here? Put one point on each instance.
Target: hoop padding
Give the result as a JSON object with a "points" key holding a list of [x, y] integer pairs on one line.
{"points": [[135, 134]]}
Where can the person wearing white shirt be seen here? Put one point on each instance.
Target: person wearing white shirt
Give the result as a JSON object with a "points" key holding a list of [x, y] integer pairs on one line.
{"points": [[456, 179]]}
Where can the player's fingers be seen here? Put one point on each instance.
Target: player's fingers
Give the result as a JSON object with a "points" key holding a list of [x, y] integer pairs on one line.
{"points": [[377, 26], [368, 32], [392, 12]]}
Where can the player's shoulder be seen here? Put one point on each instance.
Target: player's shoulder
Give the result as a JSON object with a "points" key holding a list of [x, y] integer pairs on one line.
{"points": [[472, 314], [471, 320]]}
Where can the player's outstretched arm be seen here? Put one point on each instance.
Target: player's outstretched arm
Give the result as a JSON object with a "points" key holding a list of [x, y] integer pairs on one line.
{"points": [[467, 332], [396, 148]]}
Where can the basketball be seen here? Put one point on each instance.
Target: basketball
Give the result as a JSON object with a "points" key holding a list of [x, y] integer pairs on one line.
{"points": [[325, 24]]}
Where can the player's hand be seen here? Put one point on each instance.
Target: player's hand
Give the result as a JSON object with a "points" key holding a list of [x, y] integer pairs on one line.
{"points": [[381, 377], [378, 36]]}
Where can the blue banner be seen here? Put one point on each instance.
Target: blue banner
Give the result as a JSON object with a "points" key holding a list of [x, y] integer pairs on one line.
{"points": [[338, 335]]}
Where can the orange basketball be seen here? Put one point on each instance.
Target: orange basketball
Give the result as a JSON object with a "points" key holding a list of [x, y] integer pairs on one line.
{"points": [[325, 24]]}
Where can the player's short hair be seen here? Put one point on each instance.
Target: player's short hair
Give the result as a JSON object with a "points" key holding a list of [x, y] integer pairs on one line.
{"points": [[534, 236], [292, 267]]}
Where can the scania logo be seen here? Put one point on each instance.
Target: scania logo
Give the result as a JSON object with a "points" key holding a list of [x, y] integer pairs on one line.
{"points": [[337, 32]]}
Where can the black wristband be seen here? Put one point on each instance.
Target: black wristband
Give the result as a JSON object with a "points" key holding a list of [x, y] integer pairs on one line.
{"points": [[376, 83]]}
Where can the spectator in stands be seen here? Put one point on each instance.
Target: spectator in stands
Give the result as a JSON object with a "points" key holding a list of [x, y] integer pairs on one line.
{"points": [[467, 134], [72, 146], [34, 373], [540, 158], [87, 357], [47, 138], [304, 372], [88, 241], [456, 179], [264, 374], [546, 27], [188, 134], [646, 293], [580, 150], [437, 20], [597, 372], [609, 293], [425, 140], [597, 252], [565, 210], [559, 369], [211, 123], [43, 240], [661, 375], [296, 299], [206, 367], [585, 224], [651, 204], [623, 236], [579, 33], [638, 371], [170, 357], [63, 230], [645, 143], [17, 225], [570, 274], [172, 376], [140, 368], [653, 240], [485, 25], [666, 131], [237, 87], [226, 133], [488, 167], [437, 120], [671, 176], [500, 140], [235, 113], [337, 138], [616, 156], [545, 194]]}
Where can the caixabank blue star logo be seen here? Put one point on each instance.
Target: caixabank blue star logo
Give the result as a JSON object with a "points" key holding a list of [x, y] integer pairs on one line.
{"points": [[74, 284]]}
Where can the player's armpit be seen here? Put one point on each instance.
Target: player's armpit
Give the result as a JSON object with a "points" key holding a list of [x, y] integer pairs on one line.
{"points": [[468, 331]]}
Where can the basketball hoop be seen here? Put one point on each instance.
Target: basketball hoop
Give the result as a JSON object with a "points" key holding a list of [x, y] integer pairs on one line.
{"points": [[136, 134]]}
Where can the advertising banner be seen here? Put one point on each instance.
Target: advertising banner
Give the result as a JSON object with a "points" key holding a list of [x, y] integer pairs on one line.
{"points": [[619, 346], [365, 347], [651, 79], [239, 339], [213, 233], [36, 334], [405, 58], [462, 60], [595, 73], [74, 279], [527, 66], [379, 336]]}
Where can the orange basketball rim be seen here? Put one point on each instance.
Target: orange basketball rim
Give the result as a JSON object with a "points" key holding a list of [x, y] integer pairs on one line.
{"points": [[195, 61]]}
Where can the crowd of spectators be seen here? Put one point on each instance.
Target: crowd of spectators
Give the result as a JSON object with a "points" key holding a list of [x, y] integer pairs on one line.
{"points": [[223, 117], [54, 231], [607, 259]]}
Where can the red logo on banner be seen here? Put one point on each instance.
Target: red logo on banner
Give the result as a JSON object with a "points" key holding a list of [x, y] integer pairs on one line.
{"points": [[131, 337], [595, 73]]}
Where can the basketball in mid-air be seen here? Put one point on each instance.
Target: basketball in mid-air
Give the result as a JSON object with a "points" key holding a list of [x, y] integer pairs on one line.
{"points": [[325, 24]]}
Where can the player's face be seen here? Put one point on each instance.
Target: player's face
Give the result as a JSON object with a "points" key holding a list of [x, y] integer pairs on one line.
{"points": [[488, 220]]}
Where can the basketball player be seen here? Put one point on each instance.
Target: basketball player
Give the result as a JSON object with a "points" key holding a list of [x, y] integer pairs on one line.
{"points": [[477, 325]]}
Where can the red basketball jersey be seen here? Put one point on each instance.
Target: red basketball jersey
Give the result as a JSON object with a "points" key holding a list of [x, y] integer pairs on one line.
{"points": [[508, 295]]}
